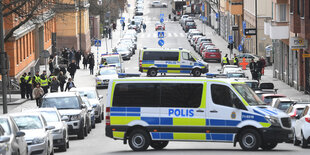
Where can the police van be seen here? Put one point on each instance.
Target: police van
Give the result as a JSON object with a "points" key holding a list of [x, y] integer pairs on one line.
{"points": [[151, 112], [158, 60], [112, 59]]}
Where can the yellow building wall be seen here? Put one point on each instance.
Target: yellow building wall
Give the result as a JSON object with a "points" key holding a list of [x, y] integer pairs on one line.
{"points": [[66, 24]]}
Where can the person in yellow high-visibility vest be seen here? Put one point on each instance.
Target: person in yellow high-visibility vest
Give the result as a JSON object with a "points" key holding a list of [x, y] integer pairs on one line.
{"points": [[28, 79], [225, 60], [236, 60], [44, 82], [36, 79]]}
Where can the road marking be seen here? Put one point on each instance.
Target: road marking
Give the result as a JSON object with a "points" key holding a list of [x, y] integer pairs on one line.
{"points": [[182, 35], [169, 35], [175, 34], [148, 35]]}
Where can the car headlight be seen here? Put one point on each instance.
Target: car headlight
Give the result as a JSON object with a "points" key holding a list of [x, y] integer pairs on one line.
{"points": [[57, 131], [273, 120], [38, 140], [75, 117]]}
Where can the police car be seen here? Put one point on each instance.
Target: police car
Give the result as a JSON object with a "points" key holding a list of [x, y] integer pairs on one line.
{"points": [[153, 111], [158, 60], [113, 59], [104, 75]]}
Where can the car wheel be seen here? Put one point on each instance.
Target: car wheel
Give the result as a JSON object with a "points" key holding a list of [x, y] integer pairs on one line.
{"points": [[98, 120], [249, 140], [102, 116], [86, 131], [159, 145], [93, 125], [139, 140], [152, 72], [64, 147], [268, 145], [68, 144], [81, 133], [196, 72], [304, 142]]}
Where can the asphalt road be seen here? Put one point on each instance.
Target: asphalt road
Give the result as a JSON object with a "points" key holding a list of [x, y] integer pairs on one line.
{"points": [[97, 143]]}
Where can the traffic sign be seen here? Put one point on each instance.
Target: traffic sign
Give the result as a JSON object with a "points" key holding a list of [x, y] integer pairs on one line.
{"points": [[249, 31], [217, 15], [240, 48], [230, 39], [122, 18], [121, 21], [161, 34], [203, 7], [161, 20], [97, 43], [161, 15], [161, 42], [306, 55]]}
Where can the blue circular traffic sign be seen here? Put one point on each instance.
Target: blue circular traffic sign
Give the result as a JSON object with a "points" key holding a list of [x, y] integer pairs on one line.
{"points": [[161, 42], [161, 20]]}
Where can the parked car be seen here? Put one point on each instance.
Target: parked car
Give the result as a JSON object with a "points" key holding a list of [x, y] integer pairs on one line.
{"points": [[248, 57], [139, 13], [183, 17], [295, 110], [253, 84], [205, 46], [302, 129], [267, 98], [37, 133], [60, 133], [104, 75], [160, 26], [193, 38], [88, 113], [266, 88], [158, 4], [11, 138], [230, 68], [95, 100], [200, 41], [91, 110], [124, 51], [282, 103], [236, 75], [189, 19], [212, 54], [129, 41], [71, 105], [189, 25]]}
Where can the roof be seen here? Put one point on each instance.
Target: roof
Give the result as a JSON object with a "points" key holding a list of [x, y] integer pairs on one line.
{"points": [[285, 99], [60, 94], [42, 109], [83, 88], [25, 113], [277, 95]]}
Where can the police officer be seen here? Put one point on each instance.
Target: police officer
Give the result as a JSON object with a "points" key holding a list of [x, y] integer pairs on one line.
{"points": [[104, 62], [28, 79], [225, 60], [236, 61], [36, 79], [22, 84], [50, 79], [44, 82]]}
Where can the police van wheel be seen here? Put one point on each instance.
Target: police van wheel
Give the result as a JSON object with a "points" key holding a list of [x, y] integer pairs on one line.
{"points": [[249, 140], [152, 72], [196, 72], [139, 140], [268, 145], [158, 145]]}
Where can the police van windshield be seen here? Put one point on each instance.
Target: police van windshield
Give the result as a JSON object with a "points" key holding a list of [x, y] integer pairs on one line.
{"points": [[111, 60], [247, 93]]}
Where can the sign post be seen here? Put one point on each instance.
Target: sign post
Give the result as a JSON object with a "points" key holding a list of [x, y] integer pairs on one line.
{"points": [[98, 44]]}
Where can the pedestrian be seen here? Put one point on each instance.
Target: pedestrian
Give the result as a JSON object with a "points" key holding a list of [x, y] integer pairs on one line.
{"points": [[123, 25], [263, 65], [62, 80], [144, 27], [78, 58], [54, 85], [252, 69], [91, 61], [110, 33], [71, 55], [69, 85], [51, 65], [44, 82], [28, 79], [236, 60], [37, 94], [72, 69], [114, 26], [169, 16], [22, 85], [36, 79], [104, 61], [225, 60], [63, 69], [85, 61]]}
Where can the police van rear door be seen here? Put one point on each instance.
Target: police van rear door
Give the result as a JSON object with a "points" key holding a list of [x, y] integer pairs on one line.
{"points": [[183, 111]]}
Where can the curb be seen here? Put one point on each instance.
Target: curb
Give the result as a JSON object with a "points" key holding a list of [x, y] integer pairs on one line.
{"points": [[18, 102]]}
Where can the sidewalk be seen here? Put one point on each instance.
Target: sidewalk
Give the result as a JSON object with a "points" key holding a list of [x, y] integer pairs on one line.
{"points": [[282, 87]]}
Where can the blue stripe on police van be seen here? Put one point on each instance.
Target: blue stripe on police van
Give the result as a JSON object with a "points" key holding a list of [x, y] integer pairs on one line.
{"points": [[185, 71], [258, 112], [247, 116], [148, 61], [269, 111], [133, 114], [155, 135], [132, 109], [161, 65], [208, 136], [166, 135], [232, 122], [217, 122], [229, 137], [166, 121], [218, 136], [186, 66], [151, 120], [124, 114], [118, 109], [162, 71], [207, 122]]}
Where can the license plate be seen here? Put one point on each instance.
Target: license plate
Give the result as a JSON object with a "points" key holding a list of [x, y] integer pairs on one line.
{"points": [[213, 55]]}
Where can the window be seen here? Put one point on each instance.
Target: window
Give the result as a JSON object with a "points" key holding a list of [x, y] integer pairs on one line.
{"points": [[168, 56], [281, 12], [181, 95], [69, 102], [223, 95], [302, 8], [185, 56], [291, 6], [136, 95]]}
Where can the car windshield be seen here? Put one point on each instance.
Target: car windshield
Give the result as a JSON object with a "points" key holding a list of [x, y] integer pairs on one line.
{"points": [[28, 122], [248, 95], [190, 23], [253, 85], [85, 100], [111, 60], [213, 50], [268, 99], [5, 125], [107, 72], [61, 103], [236, 75], [284, 105], [50, 116]]}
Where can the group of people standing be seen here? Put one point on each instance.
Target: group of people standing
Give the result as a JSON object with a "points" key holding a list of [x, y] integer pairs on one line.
{"points": [[89, 59], [257, 68]]}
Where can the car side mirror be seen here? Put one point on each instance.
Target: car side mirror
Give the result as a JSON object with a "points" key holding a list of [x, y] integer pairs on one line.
{"points": [[20, 134], [100, 97], [83, 106], [297, 116], [65, 118], [49, 128], [4, 139]]}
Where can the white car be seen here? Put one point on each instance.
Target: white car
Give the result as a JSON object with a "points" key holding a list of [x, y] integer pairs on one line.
{"points": [[104, 75], [182, 18], [302, 129], [295, 110], [60, 133], [95, 100], [230, 68], [37, 133], [158, 4], [16, 145]]}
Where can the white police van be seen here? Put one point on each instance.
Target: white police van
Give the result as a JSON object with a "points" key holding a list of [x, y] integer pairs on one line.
{"points": [[151, 112]]}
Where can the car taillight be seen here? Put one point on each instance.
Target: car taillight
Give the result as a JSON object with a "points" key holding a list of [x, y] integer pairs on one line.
{"points": [[107, 117], [295, 113], [140, 63], [307, 119]]}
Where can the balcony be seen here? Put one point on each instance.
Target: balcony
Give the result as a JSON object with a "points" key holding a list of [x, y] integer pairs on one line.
{"points": [[276, 30]]}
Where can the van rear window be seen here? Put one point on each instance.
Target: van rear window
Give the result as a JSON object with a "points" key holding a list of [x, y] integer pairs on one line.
{"points": [[155, 95], [167, 56]]}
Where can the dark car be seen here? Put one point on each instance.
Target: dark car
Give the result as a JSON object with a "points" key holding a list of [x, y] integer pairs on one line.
{"points": [[189, 25]]}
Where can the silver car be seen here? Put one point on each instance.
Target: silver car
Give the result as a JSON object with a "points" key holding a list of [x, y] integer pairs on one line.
{"points": [[16, 144], [37, 133], [60, 133], [94, 99]]}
